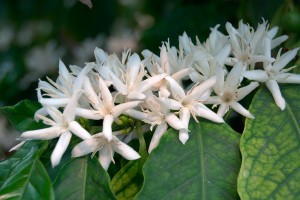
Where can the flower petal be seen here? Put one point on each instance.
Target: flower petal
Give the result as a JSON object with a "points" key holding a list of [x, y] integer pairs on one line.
{"points": [[60, 148], [256, 37], [136, 95], [107, 122], [240, 109], [223, 54], [105, 157], [17, 146], [174, 121], [272, 85], [89, 114], [233, 77], [277, 41], [183, 136], [208, 114], [133, 68], [85, 147], [62, 70], [90, 92], [199, 90], [284, 59], [148, 83], [105, 94], [164, 60], [181, 73], [121, 108], [77, 130], [213, 100], [81, 78], [287, 78], [176, 90], [100, 55], [55, 114], [159, 131], [107, 74], [42, 134], [256, 75], [42, 112], [219, 85], [126, 151], [185, 118], [136, 114], [69, 111], [170, 103], [244, 91], [223, 108], [57, 102]]}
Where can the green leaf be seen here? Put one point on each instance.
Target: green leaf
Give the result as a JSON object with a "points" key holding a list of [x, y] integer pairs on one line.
{"points": [[206, 167], [21, 115], [23, 176], [83, 178], [270, 148], [129, 180]]}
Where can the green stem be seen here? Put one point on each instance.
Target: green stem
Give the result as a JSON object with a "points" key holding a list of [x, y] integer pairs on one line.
{"points": [[143, 148]]}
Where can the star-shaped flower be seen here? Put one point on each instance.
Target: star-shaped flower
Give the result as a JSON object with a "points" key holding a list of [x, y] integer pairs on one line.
{"points": [[103, 106], [228, 93], [190, 103], [155, 112], [275, 73], [130, 81], [62, 125], [106, 148]]}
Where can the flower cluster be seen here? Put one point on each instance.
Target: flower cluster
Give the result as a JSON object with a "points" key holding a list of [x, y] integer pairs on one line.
{"points": [[163, 90]]}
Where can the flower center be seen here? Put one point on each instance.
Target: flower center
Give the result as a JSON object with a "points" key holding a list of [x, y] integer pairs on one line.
{"points": [[228, 96], [271, 74]]}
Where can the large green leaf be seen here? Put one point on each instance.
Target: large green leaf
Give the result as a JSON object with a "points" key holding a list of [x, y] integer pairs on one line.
{"points": [[21, 115], [83, 178], [23, 176], [270, 148], [206, 167]]}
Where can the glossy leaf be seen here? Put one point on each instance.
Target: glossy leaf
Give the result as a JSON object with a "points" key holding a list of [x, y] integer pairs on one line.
{"points": [[21, 115], [23, 176], [270, 148], [206, 167], [129, 180], [83, 178]]}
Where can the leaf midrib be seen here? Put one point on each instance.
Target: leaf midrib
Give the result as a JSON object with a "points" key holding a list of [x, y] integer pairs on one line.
{"points": [[84, 178], [29, 175], [201, 160]]}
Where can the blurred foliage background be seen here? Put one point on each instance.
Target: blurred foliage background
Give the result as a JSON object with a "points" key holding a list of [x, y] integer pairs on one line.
{"points": [[34, 34]]}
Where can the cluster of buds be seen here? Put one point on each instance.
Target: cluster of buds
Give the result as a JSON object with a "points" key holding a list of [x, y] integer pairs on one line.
{"points": [[162, 91]]}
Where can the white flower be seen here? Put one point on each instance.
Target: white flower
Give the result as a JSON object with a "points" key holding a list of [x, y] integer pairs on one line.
{"points": [[190, 103], [228, 92], [156, 113], [61, 91], [207, 56], [103, 106], [275, 73], [62, 125], [130, 82], [106, 148], [162, 65], [245, 43]]}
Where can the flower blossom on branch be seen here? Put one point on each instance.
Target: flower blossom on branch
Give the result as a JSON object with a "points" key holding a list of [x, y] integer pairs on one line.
{"points": [[162, 91]]}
